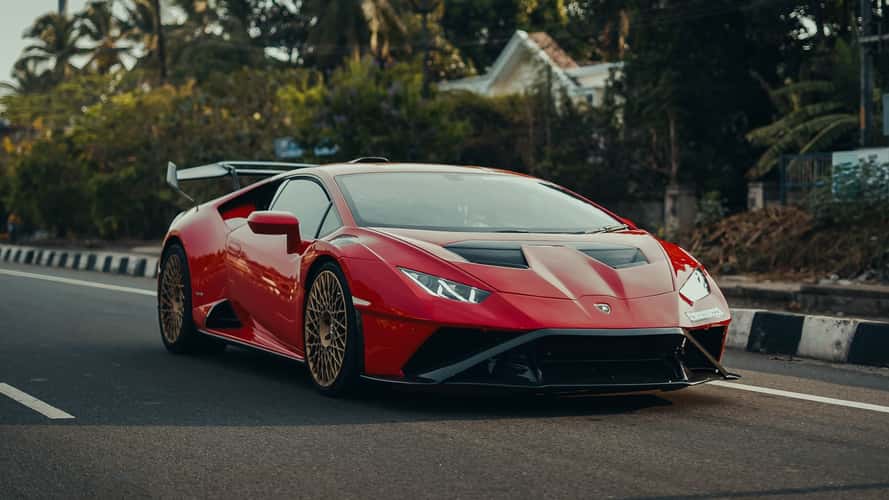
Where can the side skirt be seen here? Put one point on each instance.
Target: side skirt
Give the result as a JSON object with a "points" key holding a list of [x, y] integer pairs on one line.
{"points": [[252, 346]]}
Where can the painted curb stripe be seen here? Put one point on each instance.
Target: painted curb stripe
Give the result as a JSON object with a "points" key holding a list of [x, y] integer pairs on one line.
{"points": [[870, 344], [775, 333], [114, 263]]}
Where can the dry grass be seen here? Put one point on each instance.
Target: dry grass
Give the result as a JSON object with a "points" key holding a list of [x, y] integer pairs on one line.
{"points": [[787, 241]]}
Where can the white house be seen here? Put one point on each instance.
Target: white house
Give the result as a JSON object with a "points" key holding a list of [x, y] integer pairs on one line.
{"points": [[530, 59]]}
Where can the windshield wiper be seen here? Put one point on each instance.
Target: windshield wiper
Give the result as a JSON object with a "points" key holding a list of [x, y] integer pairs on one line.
{"points": [[512, 231], [609, 229]]}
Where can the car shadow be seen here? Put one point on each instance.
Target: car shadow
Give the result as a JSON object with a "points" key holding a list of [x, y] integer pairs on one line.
{"points": [[136, 382], [383, 402]]}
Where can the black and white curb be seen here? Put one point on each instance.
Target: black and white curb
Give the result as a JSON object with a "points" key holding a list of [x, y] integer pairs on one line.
{"points": [[839, 340], [83, 260]]}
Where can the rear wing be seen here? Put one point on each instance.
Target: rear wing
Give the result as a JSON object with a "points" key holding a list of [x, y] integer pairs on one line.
{"points": [[232, 169]]}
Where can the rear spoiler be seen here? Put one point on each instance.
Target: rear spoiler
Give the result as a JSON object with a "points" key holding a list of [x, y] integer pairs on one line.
{"points": [[232, 169]]}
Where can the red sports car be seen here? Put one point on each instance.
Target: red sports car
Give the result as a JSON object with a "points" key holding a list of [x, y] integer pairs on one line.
{"points": [[435, 274]]}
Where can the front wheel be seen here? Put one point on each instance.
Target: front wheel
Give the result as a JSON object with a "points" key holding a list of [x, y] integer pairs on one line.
{"points": [[332, 338]]}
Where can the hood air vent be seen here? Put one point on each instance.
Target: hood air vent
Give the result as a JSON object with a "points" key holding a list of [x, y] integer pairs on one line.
{"points": [[509, 253], [492, 253], [616, 256]]}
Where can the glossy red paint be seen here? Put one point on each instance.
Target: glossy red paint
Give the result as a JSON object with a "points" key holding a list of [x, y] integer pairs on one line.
{"points": [[256, 260], [277, 223]]}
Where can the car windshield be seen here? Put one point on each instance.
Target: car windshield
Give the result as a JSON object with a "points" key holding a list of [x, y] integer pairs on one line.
{"points": [[480, 202]]}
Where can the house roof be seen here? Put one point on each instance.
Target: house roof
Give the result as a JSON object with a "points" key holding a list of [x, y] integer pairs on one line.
{"points": [[552, 49], [543, 48]]}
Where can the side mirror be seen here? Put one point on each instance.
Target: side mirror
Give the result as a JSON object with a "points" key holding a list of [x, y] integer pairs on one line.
{"points": [[270, 222]]}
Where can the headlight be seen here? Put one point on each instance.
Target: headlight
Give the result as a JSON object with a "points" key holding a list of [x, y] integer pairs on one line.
{"points": [[696, 287], [446, 289]]}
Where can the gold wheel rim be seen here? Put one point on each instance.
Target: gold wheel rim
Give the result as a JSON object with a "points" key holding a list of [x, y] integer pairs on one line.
{"points": [[326, 328], [172, 299]]}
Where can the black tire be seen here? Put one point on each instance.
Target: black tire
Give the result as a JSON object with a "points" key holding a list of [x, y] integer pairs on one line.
{"points": [[178, 331], [348, 375]]}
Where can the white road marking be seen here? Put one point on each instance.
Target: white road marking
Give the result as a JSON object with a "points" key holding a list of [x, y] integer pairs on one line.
{"points": [[805, 397], [33, 403], [69, 281]]}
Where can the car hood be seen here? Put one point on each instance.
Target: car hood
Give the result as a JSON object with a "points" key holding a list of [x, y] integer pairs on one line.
{"points": [[625, 265]]}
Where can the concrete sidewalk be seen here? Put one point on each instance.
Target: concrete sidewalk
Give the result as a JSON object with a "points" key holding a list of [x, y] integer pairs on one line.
{"points": [[843, 298]]}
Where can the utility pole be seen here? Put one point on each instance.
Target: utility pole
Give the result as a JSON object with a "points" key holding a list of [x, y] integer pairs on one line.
{"points": [[63, 8], [424, 8], [865, 114]]}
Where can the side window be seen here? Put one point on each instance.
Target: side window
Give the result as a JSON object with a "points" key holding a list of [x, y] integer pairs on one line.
{"points": [[307, 201], [331, 223]]}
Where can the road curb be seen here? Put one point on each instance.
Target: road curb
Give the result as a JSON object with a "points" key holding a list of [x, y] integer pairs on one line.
{"points": [[129, 264], [838, 340]]}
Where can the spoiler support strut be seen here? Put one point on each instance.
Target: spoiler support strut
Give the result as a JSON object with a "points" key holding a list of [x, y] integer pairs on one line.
{"points": [[232, 169]]}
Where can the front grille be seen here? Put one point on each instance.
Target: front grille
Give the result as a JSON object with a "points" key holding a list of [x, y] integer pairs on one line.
{"points": [[583, 360]]}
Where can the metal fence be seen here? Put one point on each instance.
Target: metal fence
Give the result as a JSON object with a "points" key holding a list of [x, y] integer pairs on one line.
{"points": [[801, 176], [845, 176]]}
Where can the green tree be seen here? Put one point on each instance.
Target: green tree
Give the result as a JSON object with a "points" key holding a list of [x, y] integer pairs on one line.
{"points": [[98, 24], [348, 29], [481, 28], [56, 45]]}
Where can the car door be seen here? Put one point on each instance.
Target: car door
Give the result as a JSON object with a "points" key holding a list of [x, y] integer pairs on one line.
{"points": [[263, 277]]}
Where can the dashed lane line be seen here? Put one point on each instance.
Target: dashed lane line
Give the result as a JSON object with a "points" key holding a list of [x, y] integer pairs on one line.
{"points": [[805, 397], [33, 403]]}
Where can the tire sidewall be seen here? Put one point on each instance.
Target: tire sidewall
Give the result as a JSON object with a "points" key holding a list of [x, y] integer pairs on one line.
{"points": [[187, 339], [353, 360]]}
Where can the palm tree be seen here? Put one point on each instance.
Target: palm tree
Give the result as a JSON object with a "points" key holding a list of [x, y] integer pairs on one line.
{"points": [[346, 29], [198, 14], [141, 26], [814, 119], [27, 79], [99, 25], [56, 45]]}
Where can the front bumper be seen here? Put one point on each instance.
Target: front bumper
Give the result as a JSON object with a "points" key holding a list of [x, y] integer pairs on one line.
{"points": [[605, 360]]}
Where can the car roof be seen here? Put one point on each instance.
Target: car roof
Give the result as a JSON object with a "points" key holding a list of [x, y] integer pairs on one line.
{"points": [[335, 169]]}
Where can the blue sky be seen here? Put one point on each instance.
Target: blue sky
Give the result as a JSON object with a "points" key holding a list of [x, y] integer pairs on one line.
{"points": [[17, 17]]}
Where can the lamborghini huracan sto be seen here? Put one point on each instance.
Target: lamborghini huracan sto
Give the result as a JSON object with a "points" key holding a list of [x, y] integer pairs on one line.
{"points": [[435, 274]]}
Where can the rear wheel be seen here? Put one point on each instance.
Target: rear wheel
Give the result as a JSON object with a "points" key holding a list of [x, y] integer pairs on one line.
{"points": [[178, 331], [334, 350]]}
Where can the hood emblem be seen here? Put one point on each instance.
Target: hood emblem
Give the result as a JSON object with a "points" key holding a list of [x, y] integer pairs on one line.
{"points": [[605, 308]]}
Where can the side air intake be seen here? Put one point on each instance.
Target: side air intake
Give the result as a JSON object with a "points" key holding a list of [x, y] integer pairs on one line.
{"points": [[223, 316]]}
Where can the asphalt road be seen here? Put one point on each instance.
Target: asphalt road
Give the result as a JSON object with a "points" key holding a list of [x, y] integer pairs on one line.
{"points": [[245, 424]]}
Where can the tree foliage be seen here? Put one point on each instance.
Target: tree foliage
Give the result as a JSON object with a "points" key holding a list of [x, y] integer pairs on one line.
{"points": [[708, 89]]}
